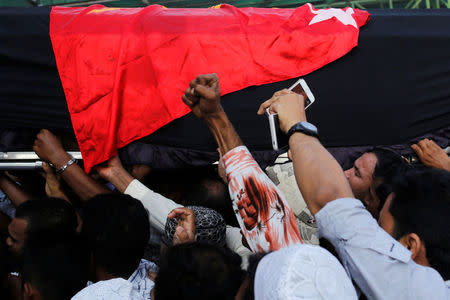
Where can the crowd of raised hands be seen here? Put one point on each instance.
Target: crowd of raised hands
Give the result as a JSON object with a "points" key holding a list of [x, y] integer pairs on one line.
{"points": [[304, 230]]}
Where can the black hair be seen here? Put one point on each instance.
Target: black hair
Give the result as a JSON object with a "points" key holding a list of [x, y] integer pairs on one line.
{"points": [[212, 193], [195, 186], [56, 270], [421, 205], [4, 270], [198, 271], [389, 166], [48, 218], [116, 228], [253, 262]]}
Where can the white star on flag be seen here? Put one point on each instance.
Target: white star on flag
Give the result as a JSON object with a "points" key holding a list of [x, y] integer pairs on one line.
{"points": [[344, 16]]}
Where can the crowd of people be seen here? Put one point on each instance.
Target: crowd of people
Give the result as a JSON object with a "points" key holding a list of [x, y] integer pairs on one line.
{"points": [[303, 230]]}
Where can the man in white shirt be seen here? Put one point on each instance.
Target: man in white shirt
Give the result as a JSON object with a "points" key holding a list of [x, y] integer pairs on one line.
{"points": [[383, 267], [116, 230]]}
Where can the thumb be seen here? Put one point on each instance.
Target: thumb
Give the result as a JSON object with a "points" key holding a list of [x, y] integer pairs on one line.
{"points": [[180, 235]]}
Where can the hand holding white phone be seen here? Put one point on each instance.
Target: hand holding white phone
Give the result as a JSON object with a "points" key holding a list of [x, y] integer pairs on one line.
{"points": [[300, 87]]}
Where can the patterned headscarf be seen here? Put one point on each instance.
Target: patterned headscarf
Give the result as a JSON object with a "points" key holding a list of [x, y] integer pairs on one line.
{"points": [[210, 227]]}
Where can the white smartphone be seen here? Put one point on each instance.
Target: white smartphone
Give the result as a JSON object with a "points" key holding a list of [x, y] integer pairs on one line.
{"points": [[279, 139], [300, 87]]}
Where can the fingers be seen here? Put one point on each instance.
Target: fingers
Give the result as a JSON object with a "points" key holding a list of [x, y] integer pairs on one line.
{"points": [[187, 101], [425, 146], [265, 105], [47, 169], [192, 85], [208, 79], [417, 149], [50, 174], [180, 233], [184, 216], [205, 80], [281, 93], [205, 92], [180, 213], [191, 96], [426, 143], [44, 134], [268, 103], [434, 146], [185, 231]]}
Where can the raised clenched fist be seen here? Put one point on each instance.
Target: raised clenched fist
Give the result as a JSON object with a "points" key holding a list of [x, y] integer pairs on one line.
{"points": [[203, 96]]}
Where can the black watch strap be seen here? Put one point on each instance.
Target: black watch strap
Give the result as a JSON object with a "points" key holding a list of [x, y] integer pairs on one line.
{"points": [[304, 127]]}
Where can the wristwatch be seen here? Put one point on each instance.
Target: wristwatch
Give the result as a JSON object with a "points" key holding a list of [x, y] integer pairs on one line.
{"points": [[304, 127]]}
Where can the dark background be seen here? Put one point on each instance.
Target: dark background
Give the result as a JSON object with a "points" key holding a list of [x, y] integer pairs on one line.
{"points": [[393, 87]]}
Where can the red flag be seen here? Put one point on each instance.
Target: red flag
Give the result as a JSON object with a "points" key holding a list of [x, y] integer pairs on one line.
{"points": [[124, 70]]}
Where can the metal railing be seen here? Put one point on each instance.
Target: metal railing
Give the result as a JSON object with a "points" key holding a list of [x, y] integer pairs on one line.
{"points": [[25, 160]]}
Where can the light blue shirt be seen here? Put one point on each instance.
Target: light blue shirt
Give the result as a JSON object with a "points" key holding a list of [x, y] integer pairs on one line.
{"points": [[380, 265], [140, 279]]}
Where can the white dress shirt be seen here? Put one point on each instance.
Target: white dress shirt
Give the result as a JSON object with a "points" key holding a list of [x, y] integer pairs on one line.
{"points": [[113, 289]]}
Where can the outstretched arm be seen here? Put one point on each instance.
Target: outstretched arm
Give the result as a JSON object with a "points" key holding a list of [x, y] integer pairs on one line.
{"points": [[319, 176], [264, 216], [203, 97], [13, 190], [158, 205], [49, 149]]}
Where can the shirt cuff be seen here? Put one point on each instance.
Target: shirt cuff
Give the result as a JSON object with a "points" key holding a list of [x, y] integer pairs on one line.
{"points": [[238, 159], [136, 189]]}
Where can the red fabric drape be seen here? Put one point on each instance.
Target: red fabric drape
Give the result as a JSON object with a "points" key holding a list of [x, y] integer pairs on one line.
{"points": [[124, 70]]}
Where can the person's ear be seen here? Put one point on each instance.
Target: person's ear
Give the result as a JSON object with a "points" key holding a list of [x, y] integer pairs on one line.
{"points": [[414, 244]]}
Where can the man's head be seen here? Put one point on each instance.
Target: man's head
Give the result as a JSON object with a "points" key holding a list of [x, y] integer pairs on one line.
{"points": [[54, 270], [41, 219], [301, 272], [417, 215], [213, 193], [116, 229], [371, 175], [198, 271]]}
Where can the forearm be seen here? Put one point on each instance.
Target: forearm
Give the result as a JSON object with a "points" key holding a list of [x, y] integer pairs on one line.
{"points": [[83, 185], [13, 191], [223, 132], [319, 176], [121, 179], [265, 229], [265, 218], [158, 206]]}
